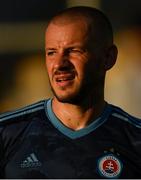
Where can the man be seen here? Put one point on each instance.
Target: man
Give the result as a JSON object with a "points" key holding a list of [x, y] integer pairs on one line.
{"points": [[76, 134]]}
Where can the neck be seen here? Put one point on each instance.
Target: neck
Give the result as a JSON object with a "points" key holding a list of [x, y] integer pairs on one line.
{"points": [[78, 116]]}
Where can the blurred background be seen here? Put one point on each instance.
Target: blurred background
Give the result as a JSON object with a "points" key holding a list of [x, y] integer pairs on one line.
{"points": [[23, 76]]}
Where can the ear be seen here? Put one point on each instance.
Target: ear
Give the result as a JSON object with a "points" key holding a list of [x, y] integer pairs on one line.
{"points": [[110, 57]]}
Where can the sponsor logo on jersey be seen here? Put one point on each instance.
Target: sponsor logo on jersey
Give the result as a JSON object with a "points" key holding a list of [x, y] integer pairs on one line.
{"points": [[109, 166], [31, 162]]}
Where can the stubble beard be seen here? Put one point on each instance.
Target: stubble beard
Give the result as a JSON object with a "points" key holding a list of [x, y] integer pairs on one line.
{"points": [[75, 97], [87, 89]]}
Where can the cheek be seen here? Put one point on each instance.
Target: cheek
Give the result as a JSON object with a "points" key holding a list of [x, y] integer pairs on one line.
{"points": [[88, 72], [49, 69], [81, 71]]}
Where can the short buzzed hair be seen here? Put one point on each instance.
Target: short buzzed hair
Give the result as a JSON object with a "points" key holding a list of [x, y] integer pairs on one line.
{"points": [[100, 28]]}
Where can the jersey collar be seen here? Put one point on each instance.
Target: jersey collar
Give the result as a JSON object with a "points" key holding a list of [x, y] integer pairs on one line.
{"points": [[78, 133]]}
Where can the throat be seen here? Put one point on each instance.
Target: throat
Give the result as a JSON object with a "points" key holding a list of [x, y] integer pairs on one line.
{"points": [[75, 117], [74, 123]]}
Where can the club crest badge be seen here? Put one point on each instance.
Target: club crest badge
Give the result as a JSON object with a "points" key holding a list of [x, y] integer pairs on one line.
{"points": [[109, 166]]}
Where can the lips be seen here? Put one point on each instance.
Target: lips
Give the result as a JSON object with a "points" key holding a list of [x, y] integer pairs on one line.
{"points": [[64, 77]]}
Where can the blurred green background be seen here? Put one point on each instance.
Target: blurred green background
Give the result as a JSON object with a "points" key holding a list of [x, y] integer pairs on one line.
{"points": [[23, 76]]}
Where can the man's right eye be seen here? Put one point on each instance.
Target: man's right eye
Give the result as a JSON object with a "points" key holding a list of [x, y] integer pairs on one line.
{"points": [[50, 53]]}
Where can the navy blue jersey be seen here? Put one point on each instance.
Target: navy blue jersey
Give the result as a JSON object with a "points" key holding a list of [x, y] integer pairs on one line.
{"points": [[35, 144]]}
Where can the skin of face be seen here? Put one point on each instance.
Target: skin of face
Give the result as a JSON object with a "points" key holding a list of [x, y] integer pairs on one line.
{"points": [[74, 68]]}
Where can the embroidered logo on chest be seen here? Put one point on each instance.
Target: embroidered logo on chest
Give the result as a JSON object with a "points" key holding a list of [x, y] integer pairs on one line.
{"points": [[109, 166]]}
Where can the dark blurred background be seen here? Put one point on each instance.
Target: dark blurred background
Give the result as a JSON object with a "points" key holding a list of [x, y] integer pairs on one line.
{"points": [[23, 77]]}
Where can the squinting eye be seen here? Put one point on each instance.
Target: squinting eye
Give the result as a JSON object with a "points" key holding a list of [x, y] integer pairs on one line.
{"points": [[75, 51], [50, 53]]}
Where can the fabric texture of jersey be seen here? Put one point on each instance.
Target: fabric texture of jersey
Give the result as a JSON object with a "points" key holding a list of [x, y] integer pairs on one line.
{"points": [[35, 144]]}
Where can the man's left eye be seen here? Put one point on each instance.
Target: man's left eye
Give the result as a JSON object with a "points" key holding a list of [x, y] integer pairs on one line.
{"points": [[75, 51]]}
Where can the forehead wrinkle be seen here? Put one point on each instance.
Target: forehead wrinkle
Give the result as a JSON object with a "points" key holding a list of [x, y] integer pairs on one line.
{"points": [[64, 36]]}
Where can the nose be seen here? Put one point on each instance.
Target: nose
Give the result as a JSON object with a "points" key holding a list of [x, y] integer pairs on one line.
{"points": [[62, 62]]}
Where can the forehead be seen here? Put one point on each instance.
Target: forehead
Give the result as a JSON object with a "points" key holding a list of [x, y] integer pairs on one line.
{"points": [[67, 30]]}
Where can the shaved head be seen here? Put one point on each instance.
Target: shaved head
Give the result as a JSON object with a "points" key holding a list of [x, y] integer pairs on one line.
{"points": [[99, 27], [79, 43]]}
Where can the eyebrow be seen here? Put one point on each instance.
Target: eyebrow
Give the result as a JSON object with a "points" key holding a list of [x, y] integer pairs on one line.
{"points": [[71, 46], [50, 49]]}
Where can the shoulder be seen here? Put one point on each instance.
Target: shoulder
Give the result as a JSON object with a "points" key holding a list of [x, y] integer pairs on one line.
{"points": [[122, 115], [20, 113]]}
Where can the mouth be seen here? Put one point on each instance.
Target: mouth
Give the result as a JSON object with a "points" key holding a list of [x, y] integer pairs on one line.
{"points": [[64, 79], [60, 79]]}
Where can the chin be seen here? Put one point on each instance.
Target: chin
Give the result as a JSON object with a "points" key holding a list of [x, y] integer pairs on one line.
{"points": [[64, 99], [72, 99]]}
